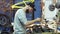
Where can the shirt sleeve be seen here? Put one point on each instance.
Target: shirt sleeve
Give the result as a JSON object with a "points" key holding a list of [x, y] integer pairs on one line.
{"points": [[22, 16]]}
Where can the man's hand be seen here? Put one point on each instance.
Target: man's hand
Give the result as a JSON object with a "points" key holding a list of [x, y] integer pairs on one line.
{"points": [[38, 19]]}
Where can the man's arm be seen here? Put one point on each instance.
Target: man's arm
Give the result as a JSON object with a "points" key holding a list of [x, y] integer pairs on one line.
{"points": [[23, 18], [32, 22]]}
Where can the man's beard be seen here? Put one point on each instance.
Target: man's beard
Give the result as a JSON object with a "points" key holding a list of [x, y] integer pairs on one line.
{"points": [[27, 11]]}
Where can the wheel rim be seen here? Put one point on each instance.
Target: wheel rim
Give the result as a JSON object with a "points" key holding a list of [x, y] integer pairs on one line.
{"points": [[3, 20]]}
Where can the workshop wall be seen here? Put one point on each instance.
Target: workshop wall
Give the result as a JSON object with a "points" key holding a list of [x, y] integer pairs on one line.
{"points": [[38, 11]]}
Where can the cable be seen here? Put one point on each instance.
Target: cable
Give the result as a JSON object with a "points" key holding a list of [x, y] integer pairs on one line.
{"points": [[23, 2]]}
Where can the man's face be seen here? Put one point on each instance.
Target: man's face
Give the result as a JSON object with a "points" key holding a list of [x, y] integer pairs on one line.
{"points": [[30, 9]]}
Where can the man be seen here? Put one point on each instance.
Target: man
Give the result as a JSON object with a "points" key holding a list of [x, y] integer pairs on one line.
{"points": [[20, 20]]}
